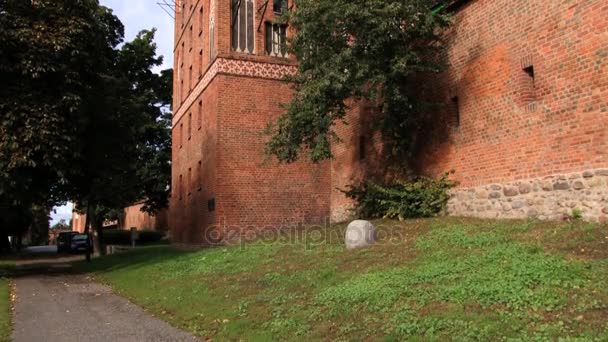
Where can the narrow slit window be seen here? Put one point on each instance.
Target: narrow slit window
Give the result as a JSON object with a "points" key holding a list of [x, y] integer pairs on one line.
{"points": [[201, 20], [189, 126], [190, 78], [211, 39], [528, 91], [362, 149], [189, 184], [199, 175], [200, 114], [181, 91], [456, 110], [181, 134], [191, 33], [200, 64]]}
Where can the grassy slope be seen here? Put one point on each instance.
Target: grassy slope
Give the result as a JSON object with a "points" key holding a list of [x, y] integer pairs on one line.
{"points": [[440, 278]]}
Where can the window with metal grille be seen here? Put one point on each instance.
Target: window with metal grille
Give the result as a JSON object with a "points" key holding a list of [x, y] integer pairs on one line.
{"points": [[242, 31], [276, 39]]}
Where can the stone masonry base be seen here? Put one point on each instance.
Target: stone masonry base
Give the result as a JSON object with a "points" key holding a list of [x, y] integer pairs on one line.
{"points": [[548, 198]]}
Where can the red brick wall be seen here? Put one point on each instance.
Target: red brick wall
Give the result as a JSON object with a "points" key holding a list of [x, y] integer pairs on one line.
{"points": [[134, 217], [248, 190], [506, 132], [256, 190], [510, 127], [78, 222]]}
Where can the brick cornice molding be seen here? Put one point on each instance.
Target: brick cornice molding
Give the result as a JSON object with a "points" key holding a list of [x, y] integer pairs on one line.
{"points": [[237, 67]]}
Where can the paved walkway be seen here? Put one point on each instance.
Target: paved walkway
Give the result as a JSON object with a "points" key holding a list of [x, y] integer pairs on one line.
{"points": [[54, 305]]}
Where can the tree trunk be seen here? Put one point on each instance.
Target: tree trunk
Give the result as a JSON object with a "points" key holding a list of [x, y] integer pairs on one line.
{"points": [[98, 240], [87, 223]]}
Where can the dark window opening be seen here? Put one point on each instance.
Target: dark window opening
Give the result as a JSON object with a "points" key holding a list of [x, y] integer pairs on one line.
{"points": [[201, 19], [530, 71], [191, 32], [199, 175], [189, 126], [189, 184], [200, 114], [279, 6], [200, 64], [276, 39], [181, 134], [528, 91], [456, 110], [211, 204], [362, 148]]}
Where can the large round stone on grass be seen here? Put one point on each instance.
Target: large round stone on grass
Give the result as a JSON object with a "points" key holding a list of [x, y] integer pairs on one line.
{"points": [[359, 234]]}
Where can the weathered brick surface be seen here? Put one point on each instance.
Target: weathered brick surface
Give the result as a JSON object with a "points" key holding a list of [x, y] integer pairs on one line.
{"points": [[239, 94], [512, 127], [135, 218], [506, 133]]}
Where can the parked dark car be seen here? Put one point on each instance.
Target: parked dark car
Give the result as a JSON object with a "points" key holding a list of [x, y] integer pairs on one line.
{"points": [[81, 243], [64, 241]]}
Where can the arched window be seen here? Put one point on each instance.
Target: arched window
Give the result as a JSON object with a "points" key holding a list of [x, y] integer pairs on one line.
{"points": [[242, 34]]}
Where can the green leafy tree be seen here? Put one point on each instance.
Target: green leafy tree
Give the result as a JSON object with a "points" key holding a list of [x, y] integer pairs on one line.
{"points": [[127, 138], [51, 52], [356, 50], [61, 225], [81, 117]]}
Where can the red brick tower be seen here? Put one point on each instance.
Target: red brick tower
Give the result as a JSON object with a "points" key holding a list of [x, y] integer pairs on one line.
{"points": [[229, 62]]}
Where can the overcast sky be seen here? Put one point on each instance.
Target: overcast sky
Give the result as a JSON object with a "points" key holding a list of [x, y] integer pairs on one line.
{"points": [[136, 15]]}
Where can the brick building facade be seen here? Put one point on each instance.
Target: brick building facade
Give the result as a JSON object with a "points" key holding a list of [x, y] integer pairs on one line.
{"points": [[525, 118], [132, 217]]}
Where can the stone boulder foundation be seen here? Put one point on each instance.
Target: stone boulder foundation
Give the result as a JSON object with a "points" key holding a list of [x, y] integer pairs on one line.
{"points": [[359, 234], [547, 198]]}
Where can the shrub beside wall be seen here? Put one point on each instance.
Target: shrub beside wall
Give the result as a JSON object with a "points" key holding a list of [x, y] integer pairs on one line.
{"points": [[401, 199]]}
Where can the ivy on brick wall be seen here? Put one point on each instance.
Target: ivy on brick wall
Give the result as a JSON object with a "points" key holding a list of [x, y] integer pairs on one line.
{"points": [[356, 50]]}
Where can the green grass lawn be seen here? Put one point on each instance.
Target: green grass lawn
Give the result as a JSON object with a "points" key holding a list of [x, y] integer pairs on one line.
{"points": [[445, 278], [5, 302]]}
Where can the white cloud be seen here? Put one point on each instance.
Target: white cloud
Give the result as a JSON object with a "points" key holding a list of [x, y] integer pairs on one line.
{"points": [[61, 213]]}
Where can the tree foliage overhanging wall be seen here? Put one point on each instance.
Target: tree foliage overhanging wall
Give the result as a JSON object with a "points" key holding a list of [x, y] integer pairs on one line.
{"points": [[356, 50]]}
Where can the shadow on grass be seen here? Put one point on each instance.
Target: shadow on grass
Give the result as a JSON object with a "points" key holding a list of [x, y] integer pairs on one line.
{"points": [[58, 265]]}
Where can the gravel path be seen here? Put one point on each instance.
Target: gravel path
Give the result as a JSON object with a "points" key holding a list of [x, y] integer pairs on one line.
{"points": [[54, 305]]}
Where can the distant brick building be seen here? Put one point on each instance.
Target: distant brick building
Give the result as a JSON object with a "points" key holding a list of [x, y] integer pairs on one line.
{"points": [[524, 125], [132, 217]]}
